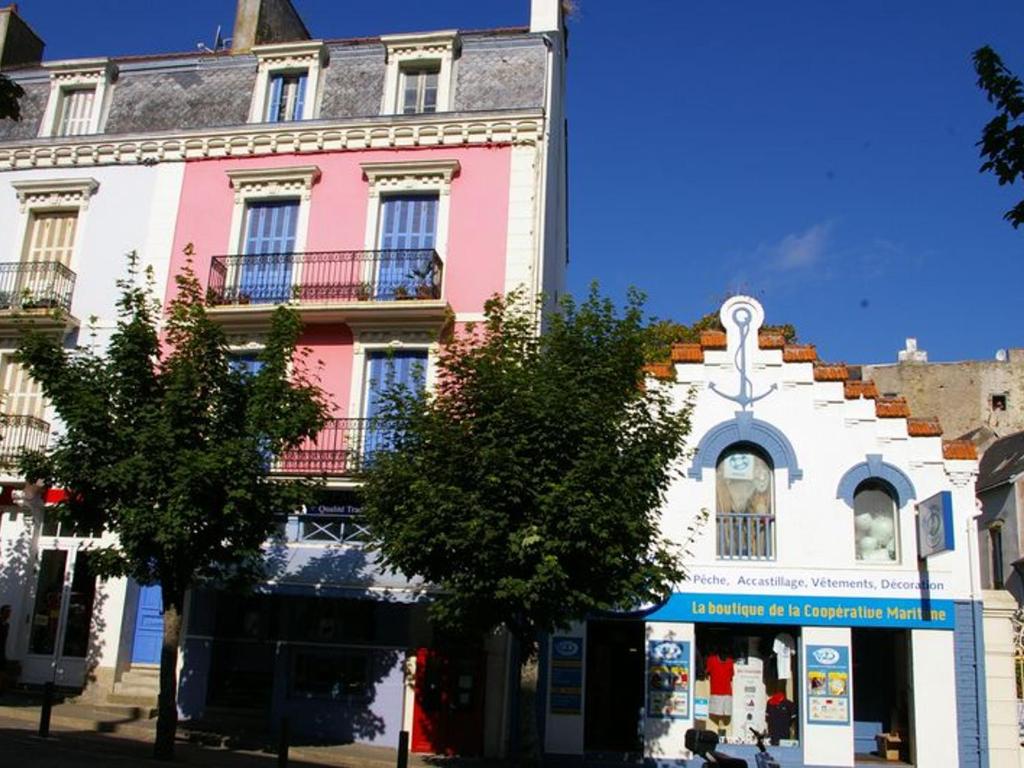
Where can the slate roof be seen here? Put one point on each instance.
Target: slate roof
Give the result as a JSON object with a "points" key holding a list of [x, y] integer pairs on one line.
{"points": [[497, 70], [1003, 460]]}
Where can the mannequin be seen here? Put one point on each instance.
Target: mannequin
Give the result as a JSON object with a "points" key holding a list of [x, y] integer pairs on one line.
{"points": [[720, 667]]}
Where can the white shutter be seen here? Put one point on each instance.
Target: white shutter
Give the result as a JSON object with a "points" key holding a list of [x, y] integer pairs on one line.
{"points": [[22, 395], [76, 112], [52, 237]]}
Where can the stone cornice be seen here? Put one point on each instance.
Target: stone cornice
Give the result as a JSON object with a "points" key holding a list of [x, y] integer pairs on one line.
{"points": [[274, 181], [55, 192], [291, 52], [443, 129], [423, 171]]}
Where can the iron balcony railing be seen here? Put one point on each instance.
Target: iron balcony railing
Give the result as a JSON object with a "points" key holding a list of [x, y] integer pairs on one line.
{"points": [[344, 447], [325, 277], [36, 285], [344, 526], [743, 536], [19, 434]]}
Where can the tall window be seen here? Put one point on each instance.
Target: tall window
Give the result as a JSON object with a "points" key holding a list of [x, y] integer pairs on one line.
{"points": [[876, 531], [76, 107], [745, 505], [995, 540], [408, 230], [51, 236], [22, 395], [386, 369], [418, 92], [287, 97], [266, 267]]}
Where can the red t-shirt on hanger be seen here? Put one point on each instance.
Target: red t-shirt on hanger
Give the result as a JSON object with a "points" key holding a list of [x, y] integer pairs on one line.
{"points": [[720, 671]]}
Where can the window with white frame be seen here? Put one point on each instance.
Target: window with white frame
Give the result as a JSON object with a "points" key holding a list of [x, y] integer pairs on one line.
{"points": [[419, 74], [79, 96], [419, 88], [287, 96], [288, 81], [51, 236]]}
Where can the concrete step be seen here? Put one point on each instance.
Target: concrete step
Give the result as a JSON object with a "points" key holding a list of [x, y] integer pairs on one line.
{"points": [[145, 702]]}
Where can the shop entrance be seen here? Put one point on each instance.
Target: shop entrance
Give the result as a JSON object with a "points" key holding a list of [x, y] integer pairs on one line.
{"points": [[448, 714], [614, 686], [882, 690], [62, 608]]}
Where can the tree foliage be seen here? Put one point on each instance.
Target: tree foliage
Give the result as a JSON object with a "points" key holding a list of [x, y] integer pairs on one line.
{"points": [[1002, 139], [10, 93], [527, 486], [168, 446]]}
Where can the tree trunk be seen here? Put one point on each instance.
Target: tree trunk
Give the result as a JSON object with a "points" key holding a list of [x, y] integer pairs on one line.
{"points": [[167, 708]]}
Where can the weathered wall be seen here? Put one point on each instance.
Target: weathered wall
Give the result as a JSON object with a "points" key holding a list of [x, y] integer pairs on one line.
{"points": [[959, 393]]}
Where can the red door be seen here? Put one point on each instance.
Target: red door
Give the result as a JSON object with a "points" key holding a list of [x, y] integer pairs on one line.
{"points": [[448, 715]]}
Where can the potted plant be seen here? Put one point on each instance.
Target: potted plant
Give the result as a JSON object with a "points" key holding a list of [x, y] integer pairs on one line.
{"points": [[401, 292], [364, 291], [423, 278]]}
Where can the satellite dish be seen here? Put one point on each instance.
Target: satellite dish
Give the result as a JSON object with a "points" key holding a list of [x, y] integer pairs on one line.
{"points": [[1001, 355]]}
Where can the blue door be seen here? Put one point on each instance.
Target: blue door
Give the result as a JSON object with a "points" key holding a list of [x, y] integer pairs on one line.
{"points": [[408, 226], [149, 626], [406, 368], [266, 271]]}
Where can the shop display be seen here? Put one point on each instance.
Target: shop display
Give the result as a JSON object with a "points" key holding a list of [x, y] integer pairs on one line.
{"points": [[748, 701], [720, 670], [783, 646], [780, 714]]}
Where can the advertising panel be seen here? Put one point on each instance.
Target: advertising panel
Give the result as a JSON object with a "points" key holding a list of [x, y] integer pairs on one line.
{"points": [[828, 685], [668, 679], [566, 688]]}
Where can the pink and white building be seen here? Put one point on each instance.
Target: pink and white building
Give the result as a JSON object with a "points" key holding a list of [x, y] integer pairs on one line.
{"points": [[385, 188]]}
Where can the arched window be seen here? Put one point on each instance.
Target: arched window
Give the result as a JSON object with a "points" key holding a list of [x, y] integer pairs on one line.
{"points": [[875, 525], [745, 504]]}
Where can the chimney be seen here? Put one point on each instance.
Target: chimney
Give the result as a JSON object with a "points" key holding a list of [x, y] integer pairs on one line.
{"points": [[548, 15], [266, 21], [19, 45], [911, 354]]}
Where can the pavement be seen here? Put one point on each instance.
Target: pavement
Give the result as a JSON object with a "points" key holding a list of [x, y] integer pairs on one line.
{"points": [[88, 735]]}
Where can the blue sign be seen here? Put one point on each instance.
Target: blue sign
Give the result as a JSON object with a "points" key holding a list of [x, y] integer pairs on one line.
{"points": [[668, 679], [828, 685], [906, 613], [935, 525], [566, 687]]}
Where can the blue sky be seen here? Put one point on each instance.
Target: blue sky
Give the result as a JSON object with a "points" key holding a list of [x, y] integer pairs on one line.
{"points": [[819, 156]]}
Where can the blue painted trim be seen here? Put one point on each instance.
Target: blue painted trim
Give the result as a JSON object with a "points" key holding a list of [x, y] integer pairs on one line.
{"points": [[744, 428], [875, 469], [971, 693]]}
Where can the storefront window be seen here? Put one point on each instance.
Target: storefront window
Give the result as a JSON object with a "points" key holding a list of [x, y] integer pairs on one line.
{"points": [[745, 518], [330, 674], [46, 613], [874, 519], [80, 602], [747, 679]]}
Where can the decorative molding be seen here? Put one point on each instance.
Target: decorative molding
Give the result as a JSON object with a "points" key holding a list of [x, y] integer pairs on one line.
{"points": [[874, 468], [55, 193], [72, 74], [81, 71], [746, 429], [275, 138], [415, 175], [272, 182], [422, 44]]}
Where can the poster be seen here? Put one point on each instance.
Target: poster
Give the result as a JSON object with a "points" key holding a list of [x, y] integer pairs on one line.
{"points": [[668, 679], [566, 687], [828, 685]]}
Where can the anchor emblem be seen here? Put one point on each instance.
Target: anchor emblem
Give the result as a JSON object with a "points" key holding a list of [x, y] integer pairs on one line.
{"points": [[742, 317]]}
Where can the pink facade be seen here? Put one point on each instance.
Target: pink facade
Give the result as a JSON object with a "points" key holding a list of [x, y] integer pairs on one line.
{"points": [[474, 259]]}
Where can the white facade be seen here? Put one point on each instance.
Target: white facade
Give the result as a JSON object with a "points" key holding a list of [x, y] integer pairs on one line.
{"points": [[799, 574]]}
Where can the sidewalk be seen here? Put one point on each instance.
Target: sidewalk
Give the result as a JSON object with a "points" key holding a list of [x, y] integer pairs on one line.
{"points": [[85, 735]]}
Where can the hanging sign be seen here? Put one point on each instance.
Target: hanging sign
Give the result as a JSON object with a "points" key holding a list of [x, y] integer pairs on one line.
{"points": [[566, 688], [668, 679], [935, 525], [828, 685]]}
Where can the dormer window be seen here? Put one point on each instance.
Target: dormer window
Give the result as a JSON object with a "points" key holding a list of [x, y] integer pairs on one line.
{"points": [[418, 79], [287, 97], [288, 81], [79, 97]]}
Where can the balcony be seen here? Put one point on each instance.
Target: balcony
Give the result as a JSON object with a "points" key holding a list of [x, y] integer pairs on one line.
{"points": [[32, 290], [328, 286], [343, 449], [745, 536], [19, 434]]}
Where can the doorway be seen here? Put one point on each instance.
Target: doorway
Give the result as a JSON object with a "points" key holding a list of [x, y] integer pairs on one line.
{"points": [[614, 686], [61, 620], [149, 626], [882, 692], [448, 707]]}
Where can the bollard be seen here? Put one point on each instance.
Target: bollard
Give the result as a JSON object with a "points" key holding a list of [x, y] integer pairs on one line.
{"points": [[44, 713], [403, 749], [282, 744]]}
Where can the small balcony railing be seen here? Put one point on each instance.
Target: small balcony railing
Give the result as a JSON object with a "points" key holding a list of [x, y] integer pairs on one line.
{"points": [[20, 434], [344, 447], [325, 277], [743, 536], [344, 526], [36, 285]]}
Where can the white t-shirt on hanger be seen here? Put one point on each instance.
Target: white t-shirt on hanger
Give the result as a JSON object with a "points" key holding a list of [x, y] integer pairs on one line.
{"points": [[784, 647]]}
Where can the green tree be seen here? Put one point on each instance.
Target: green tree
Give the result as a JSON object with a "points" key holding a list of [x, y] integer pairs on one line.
{"points": [[10, 93], [1002, 139], [168, 446], [527, 485]]}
